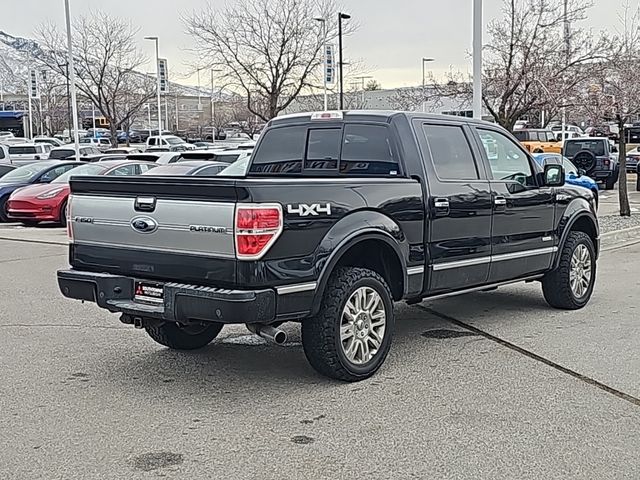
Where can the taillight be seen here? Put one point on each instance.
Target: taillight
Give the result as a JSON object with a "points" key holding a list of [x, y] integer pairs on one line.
{"points": [[69, 223], [258, 226], [607, 162]]}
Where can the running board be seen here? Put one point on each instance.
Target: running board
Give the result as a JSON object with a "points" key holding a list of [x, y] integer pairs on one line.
{"points": [[481, 288]]}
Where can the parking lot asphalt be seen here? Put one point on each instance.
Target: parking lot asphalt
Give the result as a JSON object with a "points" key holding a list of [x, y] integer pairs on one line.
{"points": [[491, 385]]}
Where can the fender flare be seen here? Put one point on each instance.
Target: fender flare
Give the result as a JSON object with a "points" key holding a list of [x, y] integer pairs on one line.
{"points": [[568, 229], [364, 234]]}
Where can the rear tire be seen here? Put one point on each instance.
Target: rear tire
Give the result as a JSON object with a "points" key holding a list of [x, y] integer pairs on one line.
{"points": [[577, 262], [610, 183], [351, 335], [184, 337]]}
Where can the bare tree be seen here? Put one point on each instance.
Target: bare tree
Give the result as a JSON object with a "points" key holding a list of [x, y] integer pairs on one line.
{"points": [[614, 93], [107, 63], [530, 64], [268, 49], [373, 85]]}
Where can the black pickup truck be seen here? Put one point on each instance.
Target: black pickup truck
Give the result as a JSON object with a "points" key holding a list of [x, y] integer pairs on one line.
{"points": [[336, 216]]}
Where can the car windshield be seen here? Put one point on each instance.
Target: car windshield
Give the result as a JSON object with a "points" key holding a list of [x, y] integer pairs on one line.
{"points": [[596, 147], [84, 170], [237, 169], [174, 141], [569, 168], [61, 154], [24, 173]]}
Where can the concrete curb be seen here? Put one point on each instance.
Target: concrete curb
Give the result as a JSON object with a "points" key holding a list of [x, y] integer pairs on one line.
{"points": [[619, 237]]}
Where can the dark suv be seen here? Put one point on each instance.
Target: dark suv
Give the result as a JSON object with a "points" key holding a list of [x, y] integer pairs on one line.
{"points": [[596, 156]]}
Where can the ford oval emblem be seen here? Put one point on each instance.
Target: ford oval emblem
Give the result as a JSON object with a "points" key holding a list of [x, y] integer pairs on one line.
{"points": [[144, 225]]}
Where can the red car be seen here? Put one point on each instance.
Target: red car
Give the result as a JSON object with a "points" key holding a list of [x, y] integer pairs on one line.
{"points": [[48, 203]]}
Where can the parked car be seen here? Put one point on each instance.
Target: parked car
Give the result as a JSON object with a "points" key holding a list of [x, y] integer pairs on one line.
{"points": [[54, 142], [340, 215], [633, 158], [173, 143], [4, 135], [101, 143], [573, 174], [161, 158], [596, 156], [99, 133], [4, 169], [16, 141], [48, 203], [566, 135], [557, 128], [538, 141], [24, 153], [68, 151], [134, 136], [125, 150], [35, 173], [223, 156], [5, 158], [193, 168]]}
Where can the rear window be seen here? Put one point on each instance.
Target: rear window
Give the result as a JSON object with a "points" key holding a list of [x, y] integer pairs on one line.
{"points": [[354, 149], [596, 147], [61, 154], [22, 150]]}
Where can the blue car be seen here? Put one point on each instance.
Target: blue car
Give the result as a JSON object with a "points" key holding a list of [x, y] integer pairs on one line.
{"points": [[573, 175], [38, 172]]}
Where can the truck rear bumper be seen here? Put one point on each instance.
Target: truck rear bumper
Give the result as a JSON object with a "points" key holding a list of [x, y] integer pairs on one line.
{"points": [[180, 303]]}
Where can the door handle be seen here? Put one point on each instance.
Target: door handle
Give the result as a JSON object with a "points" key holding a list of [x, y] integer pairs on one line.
{"points": [[441, 206], [500, 202]]}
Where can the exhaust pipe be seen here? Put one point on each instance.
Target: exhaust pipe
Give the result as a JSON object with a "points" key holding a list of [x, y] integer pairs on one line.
{"points": [[269, 333]]}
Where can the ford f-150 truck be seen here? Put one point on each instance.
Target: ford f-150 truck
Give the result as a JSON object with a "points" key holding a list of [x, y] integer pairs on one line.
{"points": [[337, 216]]}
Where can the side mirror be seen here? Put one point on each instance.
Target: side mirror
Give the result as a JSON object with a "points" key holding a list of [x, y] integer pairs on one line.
{"points": [[553, 175]]}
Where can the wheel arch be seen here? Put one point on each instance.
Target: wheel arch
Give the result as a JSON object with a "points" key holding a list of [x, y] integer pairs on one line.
{"points": [[372, 248], [581, 221]]}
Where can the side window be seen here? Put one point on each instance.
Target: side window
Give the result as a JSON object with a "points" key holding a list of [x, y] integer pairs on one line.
{"points": [[451, 153], [125, 170], [323, 149], [145, 167], [55, 173], [2, 155], [280, 151], [550, 137], [366, 150], [210, 171], [507, 161], [152, 142]]}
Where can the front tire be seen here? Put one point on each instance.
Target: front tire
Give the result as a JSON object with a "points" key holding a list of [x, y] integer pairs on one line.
{"points": [[570, 286], [351, 335], [3, 209], [610, 184], [184, 337], [63, 215]]}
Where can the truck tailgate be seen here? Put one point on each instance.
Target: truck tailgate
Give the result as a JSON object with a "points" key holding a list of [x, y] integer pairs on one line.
{"points": [[174, 228]]}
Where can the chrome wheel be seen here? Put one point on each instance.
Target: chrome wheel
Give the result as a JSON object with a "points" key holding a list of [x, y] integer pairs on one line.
{"points": [[581, 273], [362, 325]]}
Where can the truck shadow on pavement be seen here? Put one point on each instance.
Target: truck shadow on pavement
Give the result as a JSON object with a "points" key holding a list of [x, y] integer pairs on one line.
{"points": [[239, 363]]}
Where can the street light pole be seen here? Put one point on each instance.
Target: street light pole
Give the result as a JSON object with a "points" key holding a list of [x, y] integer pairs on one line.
{"points": [[324, 57], [424, 83], [72, 81], [477, 59], [341, 16], [156, 40]]}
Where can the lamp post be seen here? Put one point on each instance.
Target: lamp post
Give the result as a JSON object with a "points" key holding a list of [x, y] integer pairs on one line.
{"points": [[341, 16], [324, 59], [425, 60], [213, 109], [72, 80], [155, 39], [477, 59]]}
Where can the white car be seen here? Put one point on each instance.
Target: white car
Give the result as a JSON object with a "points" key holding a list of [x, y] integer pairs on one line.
{"points": [[25, 153], [170, 142], [15, 140], [4, 155], [124, 150], [67, 151], [100, 143], [161, 158], [224, 156], [54, 142], [6, 135]]}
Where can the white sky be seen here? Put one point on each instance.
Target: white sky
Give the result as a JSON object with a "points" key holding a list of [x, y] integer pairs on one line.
{"points": [[393, 35]]}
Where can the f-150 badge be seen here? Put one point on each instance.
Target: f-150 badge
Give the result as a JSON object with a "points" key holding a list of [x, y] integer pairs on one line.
{"points": [[313, 210]]}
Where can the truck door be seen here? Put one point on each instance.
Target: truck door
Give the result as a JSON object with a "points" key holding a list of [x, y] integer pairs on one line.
{"points": [[458, 206], [523, 212]]}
